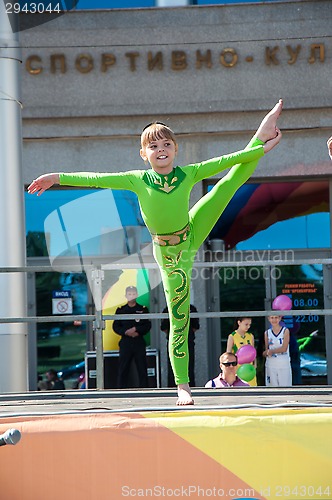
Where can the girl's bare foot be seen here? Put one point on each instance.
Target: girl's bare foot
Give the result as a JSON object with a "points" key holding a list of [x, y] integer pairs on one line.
{"points": [[184, 395], [268, 128]]}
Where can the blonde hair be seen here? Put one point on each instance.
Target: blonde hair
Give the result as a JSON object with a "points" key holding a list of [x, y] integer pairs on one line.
{"points": [[226, 355], [155, 131]]}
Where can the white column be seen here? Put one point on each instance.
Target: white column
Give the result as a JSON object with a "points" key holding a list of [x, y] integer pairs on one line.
{"points": [[13, 296]]}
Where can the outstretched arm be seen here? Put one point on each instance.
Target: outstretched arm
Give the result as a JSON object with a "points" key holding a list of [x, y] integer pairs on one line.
{"points": [[230, 343], [214, 166], [122, 180]]}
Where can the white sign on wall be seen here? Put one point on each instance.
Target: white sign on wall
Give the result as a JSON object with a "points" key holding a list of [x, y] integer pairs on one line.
{"points": [[62, 302]]}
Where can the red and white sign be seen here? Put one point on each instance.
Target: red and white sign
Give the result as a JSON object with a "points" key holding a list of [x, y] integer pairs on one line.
{"points": [[62, 305]]}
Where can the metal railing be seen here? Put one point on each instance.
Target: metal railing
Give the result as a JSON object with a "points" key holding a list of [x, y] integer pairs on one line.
{"points": [[98, 318]]}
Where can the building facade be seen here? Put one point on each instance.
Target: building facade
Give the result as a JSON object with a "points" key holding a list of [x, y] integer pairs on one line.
{"points": [[91, 80]]}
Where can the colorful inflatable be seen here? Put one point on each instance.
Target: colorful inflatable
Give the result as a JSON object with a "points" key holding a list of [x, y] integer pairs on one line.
{"points": [[115, 297]]}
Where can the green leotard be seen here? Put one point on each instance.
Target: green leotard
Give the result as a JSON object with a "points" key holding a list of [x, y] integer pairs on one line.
{"points": [[178, 232]]}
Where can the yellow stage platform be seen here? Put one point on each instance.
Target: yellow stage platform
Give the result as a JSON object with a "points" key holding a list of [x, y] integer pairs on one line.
{"points": [[109, 445]]}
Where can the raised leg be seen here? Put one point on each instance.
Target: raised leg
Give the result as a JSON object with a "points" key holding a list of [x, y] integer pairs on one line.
{"points": [[205, 213]]}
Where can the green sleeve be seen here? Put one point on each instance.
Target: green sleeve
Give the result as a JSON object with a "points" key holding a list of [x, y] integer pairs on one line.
{"points": [[123, 180], [212, 167]]}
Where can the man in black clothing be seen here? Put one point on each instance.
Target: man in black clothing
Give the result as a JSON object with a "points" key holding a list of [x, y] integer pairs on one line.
{"points": [[194, 325], [132, 344]]}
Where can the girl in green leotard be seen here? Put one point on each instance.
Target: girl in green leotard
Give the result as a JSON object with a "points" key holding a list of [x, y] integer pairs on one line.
{"points": [[177, 232]]}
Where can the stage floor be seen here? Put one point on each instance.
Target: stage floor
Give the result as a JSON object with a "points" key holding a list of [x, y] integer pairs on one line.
{"points": [[136, 400], [110, 444]]}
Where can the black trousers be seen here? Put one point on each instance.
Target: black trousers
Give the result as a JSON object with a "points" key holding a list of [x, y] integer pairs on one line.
{"points": [[132, 349]]}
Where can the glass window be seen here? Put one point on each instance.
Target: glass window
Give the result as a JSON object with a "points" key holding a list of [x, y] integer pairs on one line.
{"points": [[61, 345], [304, 285], [276, 216], [84, 222], [242, 289], [78, 222]]}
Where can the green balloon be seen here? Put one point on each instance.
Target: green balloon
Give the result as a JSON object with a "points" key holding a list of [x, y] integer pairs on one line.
{"points": [[246, 372]]}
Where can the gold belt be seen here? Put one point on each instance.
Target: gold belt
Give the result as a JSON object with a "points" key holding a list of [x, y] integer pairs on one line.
{"points": [[167, 240]]}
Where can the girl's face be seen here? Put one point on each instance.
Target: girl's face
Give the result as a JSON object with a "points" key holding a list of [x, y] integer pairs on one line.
{"points": [[244, 325], [160, 153], [274, 320]]}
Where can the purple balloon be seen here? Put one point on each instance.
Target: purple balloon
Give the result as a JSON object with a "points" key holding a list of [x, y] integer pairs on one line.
{"points": [[282, 303], [246, 354]]}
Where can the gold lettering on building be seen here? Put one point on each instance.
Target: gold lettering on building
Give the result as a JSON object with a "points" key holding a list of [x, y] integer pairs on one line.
{"points": [[179, 60], [58, 61], [155, 61], [293, 53], [271, 55], [132, 56], [32, 67], [320, 47], [205, 59], [107, 60], [228, 58], [84, 63]]}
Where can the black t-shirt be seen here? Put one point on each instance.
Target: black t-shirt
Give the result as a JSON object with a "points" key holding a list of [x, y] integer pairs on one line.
{"points": [[142, 326]]}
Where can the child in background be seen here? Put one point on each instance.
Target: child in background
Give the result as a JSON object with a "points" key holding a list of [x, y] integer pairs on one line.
{"points": [[278, 371], [240, 337]]}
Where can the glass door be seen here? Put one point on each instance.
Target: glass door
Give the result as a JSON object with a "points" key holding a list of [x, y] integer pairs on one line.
{"points": [[304, 284], [243, 289]]}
